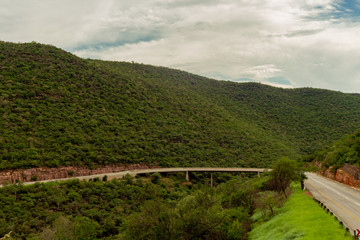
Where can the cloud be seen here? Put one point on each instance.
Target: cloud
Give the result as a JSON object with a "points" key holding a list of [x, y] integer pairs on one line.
{"points": [[62, 23], [309, 43], [279, 80]]}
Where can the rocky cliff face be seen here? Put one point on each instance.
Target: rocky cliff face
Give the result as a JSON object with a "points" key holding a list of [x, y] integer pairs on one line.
{"points": [[44, 173], [348, 174]]}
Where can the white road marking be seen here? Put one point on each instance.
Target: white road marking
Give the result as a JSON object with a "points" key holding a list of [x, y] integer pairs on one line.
{"points": [[336, 191]]}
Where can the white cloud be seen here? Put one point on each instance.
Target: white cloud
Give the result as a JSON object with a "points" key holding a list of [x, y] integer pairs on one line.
{"points": [[61, 23], [305, 42]]}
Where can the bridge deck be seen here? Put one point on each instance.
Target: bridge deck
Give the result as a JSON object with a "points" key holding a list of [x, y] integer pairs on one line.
{"points": [[159, 170], [201, 169]]}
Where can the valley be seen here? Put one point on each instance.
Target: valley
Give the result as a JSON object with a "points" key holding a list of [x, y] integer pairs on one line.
{"points": [[66, 117]]}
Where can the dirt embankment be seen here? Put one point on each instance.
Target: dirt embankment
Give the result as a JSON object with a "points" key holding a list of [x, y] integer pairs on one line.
{"points": [[45, 173], [348, 174]]}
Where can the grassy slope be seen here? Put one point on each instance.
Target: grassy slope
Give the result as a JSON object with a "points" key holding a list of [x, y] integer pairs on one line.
{"points": [[58, 109], [301, 218]]}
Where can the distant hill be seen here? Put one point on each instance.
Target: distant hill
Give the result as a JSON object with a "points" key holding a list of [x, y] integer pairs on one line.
{"points": [[58, 109], [343, 151]]}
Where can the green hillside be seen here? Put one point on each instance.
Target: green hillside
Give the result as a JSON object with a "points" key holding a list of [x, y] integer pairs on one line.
{"points": [[58, 109], [340, 152]]}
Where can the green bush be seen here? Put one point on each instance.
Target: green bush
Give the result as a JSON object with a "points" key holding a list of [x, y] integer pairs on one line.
{"points": [[155, 177]]}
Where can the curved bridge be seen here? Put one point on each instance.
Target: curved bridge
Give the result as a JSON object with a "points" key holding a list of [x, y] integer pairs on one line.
{"points": [[186, 170], [195, 169]]}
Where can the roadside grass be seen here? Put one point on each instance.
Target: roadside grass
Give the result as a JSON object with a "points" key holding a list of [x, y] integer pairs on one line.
{"points": [[300, 218]]}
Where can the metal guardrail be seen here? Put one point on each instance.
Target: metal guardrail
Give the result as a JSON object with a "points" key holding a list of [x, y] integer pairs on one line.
{"points": [[351, 231]]}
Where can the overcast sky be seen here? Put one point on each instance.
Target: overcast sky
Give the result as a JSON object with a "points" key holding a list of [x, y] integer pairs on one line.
{"points": [[288, 43]]}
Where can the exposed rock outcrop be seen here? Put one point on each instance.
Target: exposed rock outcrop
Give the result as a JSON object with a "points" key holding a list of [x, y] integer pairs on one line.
{"points": [[348, 174]]}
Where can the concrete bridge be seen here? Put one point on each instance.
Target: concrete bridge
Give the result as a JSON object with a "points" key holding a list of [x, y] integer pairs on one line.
{"points": [[186, 170], [200, 169]]}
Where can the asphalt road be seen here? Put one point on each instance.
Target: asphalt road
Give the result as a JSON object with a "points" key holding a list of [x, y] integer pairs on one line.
{"points": [[341, 199]]}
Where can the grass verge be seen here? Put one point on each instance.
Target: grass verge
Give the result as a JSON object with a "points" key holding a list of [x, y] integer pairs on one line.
{"points": [[300, 218]]}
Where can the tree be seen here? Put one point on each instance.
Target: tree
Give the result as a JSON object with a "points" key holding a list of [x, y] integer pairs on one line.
{"points": [[105, 178], [200, 216], [155, 178], [84, 228], [155, 221], [245, 196], [284, 172], [61, 229], [268, 200]]}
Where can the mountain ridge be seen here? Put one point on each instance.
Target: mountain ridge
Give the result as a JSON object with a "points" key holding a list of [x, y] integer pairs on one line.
{"points": [[59, 110]]}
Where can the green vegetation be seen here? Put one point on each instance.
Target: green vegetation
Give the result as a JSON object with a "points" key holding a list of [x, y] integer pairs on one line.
{"points": [[284, 172], [150, 207], [345, 150], [133, 209], [57, 109], [300, 218]]}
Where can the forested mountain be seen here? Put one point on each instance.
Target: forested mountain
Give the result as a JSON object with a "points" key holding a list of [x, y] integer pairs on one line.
{"points": [[340, 152], [58, 109]]}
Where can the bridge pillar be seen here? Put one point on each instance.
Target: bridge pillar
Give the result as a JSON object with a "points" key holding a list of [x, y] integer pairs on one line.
{"points": [[187, 176], [258, 174], [211, 180]]}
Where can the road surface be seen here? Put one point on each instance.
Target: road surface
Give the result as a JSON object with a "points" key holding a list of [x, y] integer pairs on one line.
{"points": [[341, 199]]}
